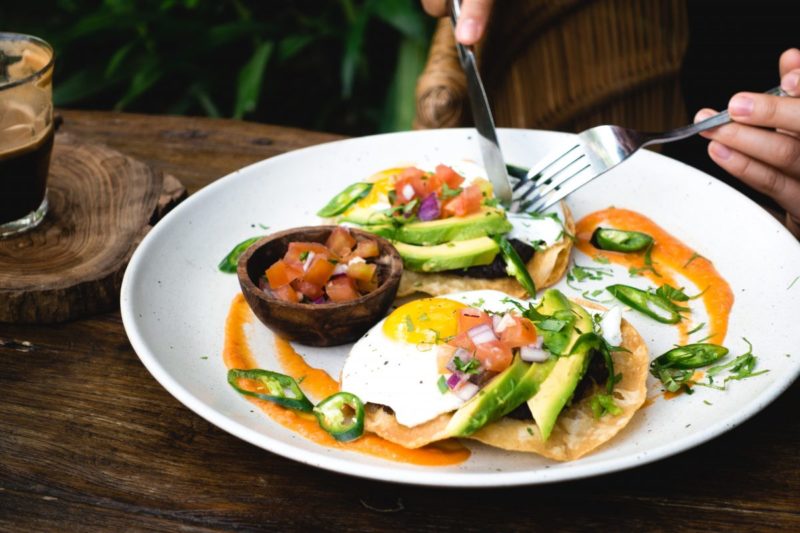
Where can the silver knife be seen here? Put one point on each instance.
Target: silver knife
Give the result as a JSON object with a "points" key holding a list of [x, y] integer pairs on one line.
{"points": [[484, 123]]}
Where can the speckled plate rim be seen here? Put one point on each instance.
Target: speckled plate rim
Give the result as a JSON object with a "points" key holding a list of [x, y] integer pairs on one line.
{"points": [[420, 476]]}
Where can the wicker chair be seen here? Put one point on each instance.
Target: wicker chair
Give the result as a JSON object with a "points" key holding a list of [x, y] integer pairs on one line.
{"points": [[566, 65]]}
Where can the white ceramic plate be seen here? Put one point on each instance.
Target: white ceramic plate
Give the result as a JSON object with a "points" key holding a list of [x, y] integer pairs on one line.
{"points": [[174, 300]]}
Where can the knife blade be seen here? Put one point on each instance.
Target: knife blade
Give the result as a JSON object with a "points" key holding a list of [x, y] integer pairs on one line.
{"points": [[482, 116]]}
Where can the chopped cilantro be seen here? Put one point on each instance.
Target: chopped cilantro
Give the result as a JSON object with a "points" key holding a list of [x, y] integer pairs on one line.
{"points": [[473, 366], [792, 283], [696, 328], [694, 256], [409, 324], [649, 266], [601, 259], [442, 384], [304, 256], [603, 404]]}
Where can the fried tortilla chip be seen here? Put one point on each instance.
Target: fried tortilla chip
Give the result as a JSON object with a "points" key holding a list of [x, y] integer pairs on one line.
{"points": [[576, 432], [546, 268]]}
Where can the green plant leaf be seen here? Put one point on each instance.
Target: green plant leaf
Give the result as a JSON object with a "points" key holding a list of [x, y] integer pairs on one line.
{"points": [[145, 77], [400, 104], [352, 57], [250, 79], [404, 16]]}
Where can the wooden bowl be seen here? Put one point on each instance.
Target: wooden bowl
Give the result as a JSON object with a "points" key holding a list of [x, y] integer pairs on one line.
{"points": [[327, 324]]}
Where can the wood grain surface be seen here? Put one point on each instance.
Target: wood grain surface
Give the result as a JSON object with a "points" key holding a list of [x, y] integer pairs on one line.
{"points": [[89, 441], [102, 203]]}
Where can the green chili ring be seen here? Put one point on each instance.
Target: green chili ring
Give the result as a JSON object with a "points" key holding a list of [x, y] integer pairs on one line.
{"points": [[339, 203], [341, 415], [642, 300], [278, 384], [617, 240], [514, 265], [689, 357], [231, 261]]}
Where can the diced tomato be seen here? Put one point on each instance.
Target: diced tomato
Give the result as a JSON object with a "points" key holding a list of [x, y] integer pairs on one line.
{"points": [[468, 201], [367, 248], [462, 340], [281, 273], [362, 271], [449, 176], [340, 241], [286, 293], [319, 270], [521, 333], [444, 353], [366, 287], [341, 289], [470, 317], [298, 249], [311, 291], [494, 355], [414, 183]]}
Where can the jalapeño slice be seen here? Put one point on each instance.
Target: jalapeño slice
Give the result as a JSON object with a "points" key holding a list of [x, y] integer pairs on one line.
{"points": [[277, 386], [341, 415], [514, 265], [617, 240], [346, 198]]}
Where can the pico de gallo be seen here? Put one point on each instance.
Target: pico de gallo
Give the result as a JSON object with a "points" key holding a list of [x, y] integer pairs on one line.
{"points": [[431, 196], [340, 270]]}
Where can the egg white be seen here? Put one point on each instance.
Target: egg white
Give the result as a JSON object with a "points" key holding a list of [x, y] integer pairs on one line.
{"points": [[404, 376]]}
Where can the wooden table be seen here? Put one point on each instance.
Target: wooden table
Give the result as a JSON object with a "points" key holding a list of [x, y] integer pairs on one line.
{"points": [[90, 441]]}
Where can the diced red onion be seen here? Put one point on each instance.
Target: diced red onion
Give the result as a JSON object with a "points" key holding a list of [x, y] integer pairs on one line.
{"points": [[481, 334], [320, 300], [463, 355], [307, 262], [429, 208], [502, 322], [408, 192], [466, 391], [455, 379], [532, 354]]}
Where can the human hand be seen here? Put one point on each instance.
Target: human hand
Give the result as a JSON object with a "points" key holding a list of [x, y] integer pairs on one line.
{"points": [[472, 21], [761, 146]]}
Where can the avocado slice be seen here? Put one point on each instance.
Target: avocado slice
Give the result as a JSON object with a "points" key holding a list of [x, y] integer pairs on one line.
{"points": [[557, 388], [491, 402], [449, 256], [524, 382], [486, 222]]}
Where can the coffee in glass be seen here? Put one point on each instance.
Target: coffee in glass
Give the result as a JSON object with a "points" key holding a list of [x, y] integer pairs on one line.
{"points": [[26, 130]]}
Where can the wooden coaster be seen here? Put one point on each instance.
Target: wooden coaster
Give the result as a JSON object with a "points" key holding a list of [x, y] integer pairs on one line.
{"points": [[102, 203]]}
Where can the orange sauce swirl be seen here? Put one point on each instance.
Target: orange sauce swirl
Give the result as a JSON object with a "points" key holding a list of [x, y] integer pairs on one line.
{"points": [[318, 384], [669, 255]]}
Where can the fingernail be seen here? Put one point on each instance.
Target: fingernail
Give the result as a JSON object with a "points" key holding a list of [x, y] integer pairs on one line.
{"points": [[468, 30], [720, 150], [790, 83], [703, 114], [740, 105]]}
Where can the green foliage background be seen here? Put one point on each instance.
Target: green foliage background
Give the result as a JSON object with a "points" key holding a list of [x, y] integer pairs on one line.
{"points": [[347, 66]]}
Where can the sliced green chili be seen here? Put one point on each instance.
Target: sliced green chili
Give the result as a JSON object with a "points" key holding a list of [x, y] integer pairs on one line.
{"points": [[346, 198], [690, 356], [651, 304], [231, 261], [617, 240], [514, 265], [341, 415], [277, 384], [676, 367]]}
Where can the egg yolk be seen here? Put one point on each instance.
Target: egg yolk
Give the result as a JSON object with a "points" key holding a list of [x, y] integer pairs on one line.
{"points": [[428, 320], [382, 183]]}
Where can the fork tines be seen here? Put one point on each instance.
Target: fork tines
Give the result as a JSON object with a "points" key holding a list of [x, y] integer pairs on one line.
{"points": [[542, 186]]}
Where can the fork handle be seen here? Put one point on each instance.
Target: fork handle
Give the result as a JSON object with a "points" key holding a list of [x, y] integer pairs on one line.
{"points": [[711, 122]]}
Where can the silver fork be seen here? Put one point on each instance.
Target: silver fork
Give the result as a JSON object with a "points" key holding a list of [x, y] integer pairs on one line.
{"points": [[598, 149]]}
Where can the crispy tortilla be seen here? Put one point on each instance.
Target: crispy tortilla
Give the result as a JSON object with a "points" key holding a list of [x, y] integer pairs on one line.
{"points": [[546, 268], [576, 432]]}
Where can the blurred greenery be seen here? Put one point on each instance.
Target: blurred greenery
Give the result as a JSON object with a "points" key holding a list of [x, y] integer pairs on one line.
{"points": [[347, 66]]}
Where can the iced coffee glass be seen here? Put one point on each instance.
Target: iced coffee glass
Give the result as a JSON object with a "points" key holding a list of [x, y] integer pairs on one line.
{"points": [[26, 130]]}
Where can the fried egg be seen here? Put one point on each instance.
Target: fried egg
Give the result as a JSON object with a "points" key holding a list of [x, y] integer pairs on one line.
{"points": [[395, 363]]}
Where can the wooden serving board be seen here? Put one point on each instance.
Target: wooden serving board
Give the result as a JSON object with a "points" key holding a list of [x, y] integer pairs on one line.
{"points": [[102, 203]]}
